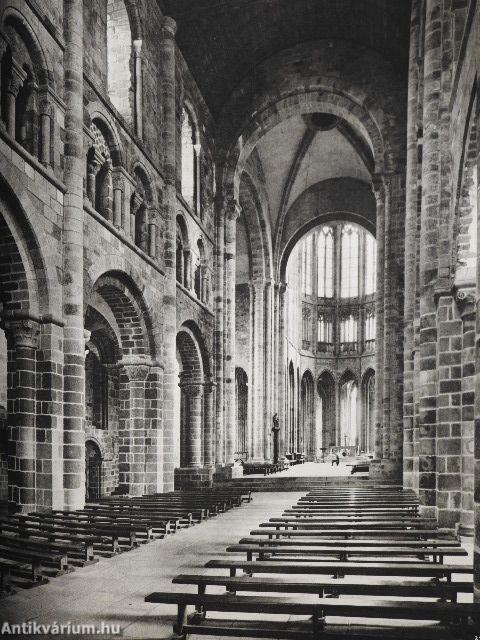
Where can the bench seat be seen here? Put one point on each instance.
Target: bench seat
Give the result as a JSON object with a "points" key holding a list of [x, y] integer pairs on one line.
{"points": [[345, 552], [317, 612], [444, 590], [423, 570]]}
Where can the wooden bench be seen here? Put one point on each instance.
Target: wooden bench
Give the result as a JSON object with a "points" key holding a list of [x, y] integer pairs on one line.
{"points": [[335, 523], [312, 541], [344, 553], [316, 612], [78, 546], [409, 589], [50, 546], [282, 528], [336, 569]]}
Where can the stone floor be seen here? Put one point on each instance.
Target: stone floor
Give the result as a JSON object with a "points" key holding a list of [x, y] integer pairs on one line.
{"points": [[113, 590]]}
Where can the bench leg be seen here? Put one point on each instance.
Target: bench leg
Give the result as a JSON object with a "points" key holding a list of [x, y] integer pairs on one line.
{"points": [[200, 611], [318, 625], [178, 631]]}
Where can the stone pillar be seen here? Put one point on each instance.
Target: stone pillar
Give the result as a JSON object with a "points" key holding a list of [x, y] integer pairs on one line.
{"points": [[3, 49], [429, 258], [466, 300], [137, 53], [132, 429], [258, 370], [46, 118], [268, 375], [232, 213], [193, 405], [153, 430], [281, 370], [118, 201], [15, 84], [167, 91], [476, 454], [379, 191], [74, 343], [152, 237], [208, 425], [411, 220], [449, 412], [218, 333], [49, 418], [22, 342], [393, 327]]}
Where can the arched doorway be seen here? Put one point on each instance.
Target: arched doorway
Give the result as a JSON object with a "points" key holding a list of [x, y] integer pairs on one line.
{"points": [[367, 438], [290, 439], [190, 398], [349, 422], [325, 435], [307, 415], [241, 397], [93, 471]]}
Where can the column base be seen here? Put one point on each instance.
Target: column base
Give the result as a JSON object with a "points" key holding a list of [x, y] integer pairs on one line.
{"points": [[228, 472], [193, 477], [386, 470]]}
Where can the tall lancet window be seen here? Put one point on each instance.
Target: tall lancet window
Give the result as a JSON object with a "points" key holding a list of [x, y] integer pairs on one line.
{"points": [[307, 266], [349, 264], [189, 157], [370, 264], [325, 263]]}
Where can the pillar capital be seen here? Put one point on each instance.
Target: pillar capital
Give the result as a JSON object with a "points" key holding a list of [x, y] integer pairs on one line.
{"points": [[17, 79], [192, 390], [137, 46], [23, 333], [135, 371], [169, 27], [232, 210], [465, 298]]}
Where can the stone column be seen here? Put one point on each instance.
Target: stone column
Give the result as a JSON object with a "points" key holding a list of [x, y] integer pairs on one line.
{"points": [[167, 89], [208, 425], [118, 200], [15, 84], [281, 370], [74, 343], [46, 118], [257, 386], [232, 213], [476, 453], [22, 342], [466, 300], [193, 404], [429, 258], [3, 49], [411, 218], [379, 191], [218, 333], [393, 327], [137, 53], [268, 375], [133, 440], [153, 430]]}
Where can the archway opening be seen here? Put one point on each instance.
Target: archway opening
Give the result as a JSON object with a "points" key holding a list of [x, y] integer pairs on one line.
{"points": [[93, 471], [349, 436], [189, 400], [241, 398]]}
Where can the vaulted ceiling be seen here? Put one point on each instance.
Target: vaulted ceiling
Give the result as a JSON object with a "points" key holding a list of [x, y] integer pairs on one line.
{"points": [[224, 40]]}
